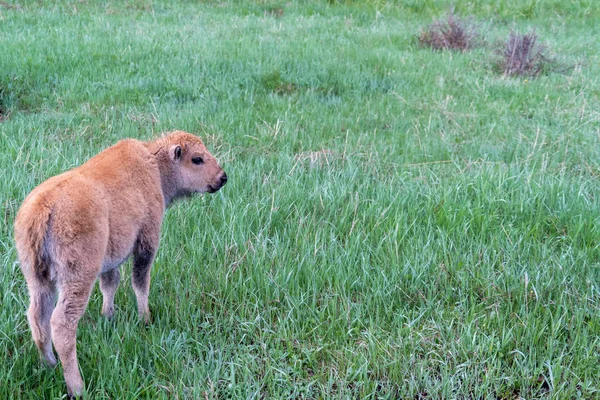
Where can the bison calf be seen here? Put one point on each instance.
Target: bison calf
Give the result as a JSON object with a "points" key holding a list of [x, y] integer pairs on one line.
{"points": [[86, 222]]}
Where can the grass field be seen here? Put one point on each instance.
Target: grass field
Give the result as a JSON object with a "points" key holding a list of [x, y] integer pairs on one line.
{"points": [[398, 222]]}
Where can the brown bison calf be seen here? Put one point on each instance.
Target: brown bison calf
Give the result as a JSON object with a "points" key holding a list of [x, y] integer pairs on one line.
{"points": [[84, 223]]}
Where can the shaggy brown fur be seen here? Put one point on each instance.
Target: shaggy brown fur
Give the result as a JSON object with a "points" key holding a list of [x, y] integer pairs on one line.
{"points": [[84, 223]]}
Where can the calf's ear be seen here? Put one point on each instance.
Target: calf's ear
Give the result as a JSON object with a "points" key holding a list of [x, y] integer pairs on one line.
{"points": [[175, 152]]}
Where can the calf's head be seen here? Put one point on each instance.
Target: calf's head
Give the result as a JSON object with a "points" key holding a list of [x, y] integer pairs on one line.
{"points": [[196, 169]]}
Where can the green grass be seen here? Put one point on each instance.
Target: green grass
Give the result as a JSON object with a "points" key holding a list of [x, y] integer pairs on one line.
{"points": [[398, 223]]}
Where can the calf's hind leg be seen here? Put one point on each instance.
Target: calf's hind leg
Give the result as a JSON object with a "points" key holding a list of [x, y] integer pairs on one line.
{"points": [[72, 301], [42, 296]]}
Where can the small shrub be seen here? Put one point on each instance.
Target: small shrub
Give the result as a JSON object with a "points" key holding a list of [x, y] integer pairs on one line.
{"points": [[523, 55], [452, 33]]}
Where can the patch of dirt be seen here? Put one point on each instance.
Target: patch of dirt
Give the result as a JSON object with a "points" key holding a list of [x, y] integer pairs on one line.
{"points": [[10, 6], [276, 12]]}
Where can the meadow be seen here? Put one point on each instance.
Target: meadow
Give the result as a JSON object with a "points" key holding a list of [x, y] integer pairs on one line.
{"points": [[398, 222]]}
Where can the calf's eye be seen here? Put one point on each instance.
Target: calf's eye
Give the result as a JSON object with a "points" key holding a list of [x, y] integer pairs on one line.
{"points": [[197, 160]]}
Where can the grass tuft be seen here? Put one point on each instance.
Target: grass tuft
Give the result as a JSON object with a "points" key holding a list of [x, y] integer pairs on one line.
{"points": [[273, 82], [523, 55], [450, 33]]}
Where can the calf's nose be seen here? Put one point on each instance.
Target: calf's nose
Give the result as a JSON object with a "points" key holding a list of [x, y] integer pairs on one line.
{"points": [[223, 179]]}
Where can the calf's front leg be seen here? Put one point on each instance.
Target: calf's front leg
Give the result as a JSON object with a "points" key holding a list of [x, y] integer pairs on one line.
{"points": [[109, 282], [143, 257]]}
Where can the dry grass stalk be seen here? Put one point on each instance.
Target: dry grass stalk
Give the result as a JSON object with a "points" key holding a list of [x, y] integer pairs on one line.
{"points": [[317, 158]]}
